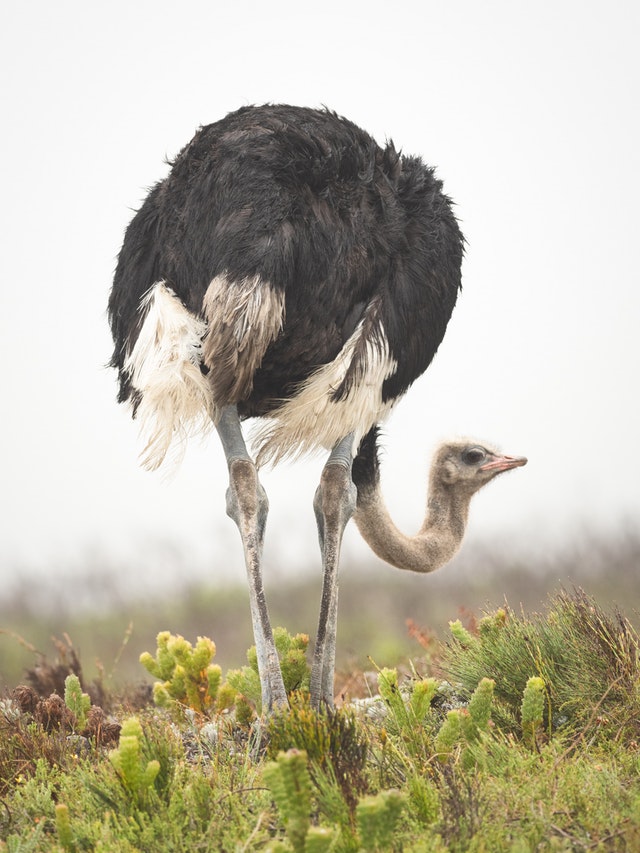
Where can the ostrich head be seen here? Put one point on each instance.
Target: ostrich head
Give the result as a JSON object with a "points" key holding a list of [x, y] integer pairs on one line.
{"points": [[465, 466]]}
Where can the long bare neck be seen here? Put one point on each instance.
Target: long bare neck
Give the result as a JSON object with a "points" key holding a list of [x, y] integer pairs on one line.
{"points": [[435, 543]]}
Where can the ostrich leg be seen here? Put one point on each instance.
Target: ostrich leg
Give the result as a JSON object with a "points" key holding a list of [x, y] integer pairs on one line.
{"points": [[247, 505], [334, 504]]}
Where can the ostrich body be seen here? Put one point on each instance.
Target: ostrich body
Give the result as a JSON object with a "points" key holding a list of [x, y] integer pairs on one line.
{"points": [[288, 268]]}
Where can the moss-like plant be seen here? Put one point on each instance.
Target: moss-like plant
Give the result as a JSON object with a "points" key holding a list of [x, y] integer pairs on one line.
{"points": [[319, 840], [296, 672], [408, 723], [532, 709], [450, 733], [423, 799], [465, 726], [409, 708], [290, 784], [422, 694], [187, 676], [377, 818], [460, 633], [135, 773], [481, 703], [76, 701], [63, 828]]}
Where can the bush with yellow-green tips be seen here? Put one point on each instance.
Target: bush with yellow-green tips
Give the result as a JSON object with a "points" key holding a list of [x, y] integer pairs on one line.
{"points": [[461, 634], [136, 774], [76, 701], [532, 709], [377, 817], [290, 784], [450, 734], [187, 676], [481, 702], [421, 695]]}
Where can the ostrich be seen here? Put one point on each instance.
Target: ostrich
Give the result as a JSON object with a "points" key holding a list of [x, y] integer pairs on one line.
{"points": [[290, 269]]}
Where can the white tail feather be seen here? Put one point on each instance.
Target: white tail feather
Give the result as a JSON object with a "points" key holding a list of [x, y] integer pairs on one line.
{"points": [[312, 419], [164, 366]]}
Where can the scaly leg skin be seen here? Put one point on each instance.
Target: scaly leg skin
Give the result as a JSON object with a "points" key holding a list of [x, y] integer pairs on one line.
{"points": [[334, 504], [247, 505]]}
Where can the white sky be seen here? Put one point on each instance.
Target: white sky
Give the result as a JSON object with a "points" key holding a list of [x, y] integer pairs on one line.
{"points": [[530, 113]]}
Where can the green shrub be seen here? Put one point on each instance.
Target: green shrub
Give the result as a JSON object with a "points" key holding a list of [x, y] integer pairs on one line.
{"points": [[332, 739], [573, 638], [187, 676], [296, 672], [76, 701], [135, 773]]}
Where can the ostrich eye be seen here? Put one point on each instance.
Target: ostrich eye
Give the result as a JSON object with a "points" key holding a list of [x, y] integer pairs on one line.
{"points": [[473, 455]]}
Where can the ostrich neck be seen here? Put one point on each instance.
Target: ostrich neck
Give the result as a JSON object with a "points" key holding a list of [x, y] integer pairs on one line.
{"points": [[435, 543]]}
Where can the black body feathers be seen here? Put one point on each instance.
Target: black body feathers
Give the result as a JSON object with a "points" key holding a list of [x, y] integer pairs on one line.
{"points": [[346, 231]]}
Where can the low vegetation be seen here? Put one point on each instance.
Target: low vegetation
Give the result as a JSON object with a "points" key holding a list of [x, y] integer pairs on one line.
{"points": [[519, 733]]}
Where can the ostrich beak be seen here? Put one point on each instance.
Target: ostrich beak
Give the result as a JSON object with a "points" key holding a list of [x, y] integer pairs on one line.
{"points": [[504, 463]]}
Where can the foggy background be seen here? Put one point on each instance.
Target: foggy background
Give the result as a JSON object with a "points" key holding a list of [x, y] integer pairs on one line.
{"points": [[529, 113]]}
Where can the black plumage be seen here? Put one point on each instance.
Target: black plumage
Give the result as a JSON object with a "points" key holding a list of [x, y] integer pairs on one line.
{"points": [[311, 204]]}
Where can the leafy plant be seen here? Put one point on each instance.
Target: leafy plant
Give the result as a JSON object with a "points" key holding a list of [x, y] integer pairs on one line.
{"points": [[461, 635], [377, 818], [409, 710], [187, 676], [332, 739], [76, 701], [467, 726], [532, 712], [290, 785], [450, 733], [574, 637], [136, 774], [63, 827], [466, 765], [296, 672]]}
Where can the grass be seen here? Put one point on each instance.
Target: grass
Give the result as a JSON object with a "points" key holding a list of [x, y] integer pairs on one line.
{"points": [[521, 732]]}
